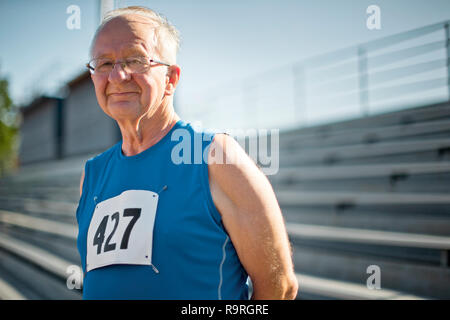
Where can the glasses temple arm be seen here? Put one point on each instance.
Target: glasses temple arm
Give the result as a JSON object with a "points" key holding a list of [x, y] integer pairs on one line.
{"points": [[160, 62]]}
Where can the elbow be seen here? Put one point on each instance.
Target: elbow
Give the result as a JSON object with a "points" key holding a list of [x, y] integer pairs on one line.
{"points": [[291, 288], [285, 288], [288, 288]]}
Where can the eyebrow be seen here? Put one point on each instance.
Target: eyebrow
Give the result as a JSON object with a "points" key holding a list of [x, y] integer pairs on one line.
{"points": [[125, 52]]}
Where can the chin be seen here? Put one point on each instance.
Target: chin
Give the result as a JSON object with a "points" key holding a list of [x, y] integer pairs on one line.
{"points": [[123, 109]]}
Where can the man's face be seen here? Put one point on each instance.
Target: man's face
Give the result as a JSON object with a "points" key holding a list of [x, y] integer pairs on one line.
{"points": [[125, 96]]}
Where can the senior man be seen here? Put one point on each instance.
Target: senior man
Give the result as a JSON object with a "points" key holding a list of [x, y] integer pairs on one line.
{"points": [[151, 227]]}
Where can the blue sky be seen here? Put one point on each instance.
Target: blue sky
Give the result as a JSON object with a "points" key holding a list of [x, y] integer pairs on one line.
{"points": [[222, 41]]}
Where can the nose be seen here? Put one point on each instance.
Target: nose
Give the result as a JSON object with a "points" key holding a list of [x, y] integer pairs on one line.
{"points": [[118, 74]]}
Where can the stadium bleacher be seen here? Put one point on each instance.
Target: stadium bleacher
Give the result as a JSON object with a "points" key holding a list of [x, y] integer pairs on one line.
{"points": [[355, 193]]}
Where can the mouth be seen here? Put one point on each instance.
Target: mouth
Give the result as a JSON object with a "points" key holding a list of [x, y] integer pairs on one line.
{"points": [[119, 94]]}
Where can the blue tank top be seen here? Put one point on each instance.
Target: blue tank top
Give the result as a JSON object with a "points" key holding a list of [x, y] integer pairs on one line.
{"points": [[135, 247]]}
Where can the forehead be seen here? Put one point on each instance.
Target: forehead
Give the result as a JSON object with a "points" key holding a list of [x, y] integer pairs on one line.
{"points": [[125, 35]]}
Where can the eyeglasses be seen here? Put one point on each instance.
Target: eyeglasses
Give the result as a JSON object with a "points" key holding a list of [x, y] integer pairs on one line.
{"points": [[129, 65]]}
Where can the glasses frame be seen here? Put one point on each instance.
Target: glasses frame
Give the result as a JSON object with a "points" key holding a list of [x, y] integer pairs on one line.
{"points": [[92, 69]]}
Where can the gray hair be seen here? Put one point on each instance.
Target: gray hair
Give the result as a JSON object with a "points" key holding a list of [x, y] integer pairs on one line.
{"points": [[167, 36]]}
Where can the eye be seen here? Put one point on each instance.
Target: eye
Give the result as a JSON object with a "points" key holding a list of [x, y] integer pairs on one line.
{"points": [[102, 65], [135, 62]]}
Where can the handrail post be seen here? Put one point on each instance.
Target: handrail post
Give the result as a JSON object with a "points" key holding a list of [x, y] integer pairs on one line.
{"points": [[363, 81], [447, 46]]}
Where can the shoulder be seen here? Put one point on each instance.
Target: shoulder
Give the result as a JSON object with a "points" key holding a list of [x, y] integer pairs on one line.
{"points": [[235, 179], [226, 155], [105, 154], [97, 159]]}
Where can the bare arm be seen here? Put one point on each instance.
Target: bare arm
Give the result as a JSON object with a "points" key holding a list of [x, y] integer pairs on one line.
{"points": [[253, 219], [81, 182]]}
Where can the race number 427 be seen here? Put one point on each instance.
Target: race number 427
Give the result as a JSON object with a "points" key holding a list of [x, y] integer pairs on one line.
{"points": [[121, 230], [99, 236]]}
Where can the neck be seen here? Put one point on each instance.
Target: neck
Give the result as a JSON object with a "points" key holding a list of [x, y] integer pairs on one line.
{"points": [[147, 130]]}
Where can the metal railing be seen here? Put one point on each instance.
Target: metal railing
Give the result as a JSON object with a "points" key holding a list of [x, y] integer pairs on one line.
{"points": [[396, 72]]}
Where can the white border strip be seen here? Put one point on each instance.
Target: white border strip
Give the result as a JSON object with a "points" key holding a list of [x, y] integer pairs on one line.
{"points": [[224, 256]]}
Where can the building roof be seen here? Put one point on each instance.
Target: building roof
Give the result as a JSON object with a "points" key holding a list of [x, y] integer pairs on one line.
{"points": [[85, 75], [40, 100], [36, 104]]}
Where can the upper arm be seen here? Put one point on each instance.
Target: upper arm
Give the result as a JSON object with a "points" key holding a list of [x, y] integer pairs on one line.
{"points": [[81, 182], [251, 215]]}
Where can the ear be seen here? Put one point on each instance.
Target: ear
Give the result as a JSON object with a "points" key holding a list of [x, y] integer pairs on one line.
{"points": [[172, 77]]}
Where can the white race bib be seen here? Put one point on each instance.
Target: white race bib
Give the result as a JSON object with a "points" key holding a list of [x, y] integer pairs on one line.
{"points": [[121, 230]]}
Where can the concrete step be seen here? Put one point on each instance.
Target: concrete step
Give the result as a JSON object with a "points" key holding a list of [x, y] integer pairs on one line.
{"points": [[427, 129], [34, 267], [384, 152], [39, 206], [8, 292], [33, 282], [39, 224], [70, 167], [288, 197], [326, 288], [439, 111], [425, 223], [61, 246], [327, 173], [415, 279], [35, 255], [344, 290], [68, 193], [424, 183], [364, 236]]}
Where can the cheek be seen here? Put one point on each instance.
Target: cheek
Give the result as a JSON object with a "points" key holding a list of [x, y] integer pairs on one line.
{"points": [[100, 91], [148, 88]]}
